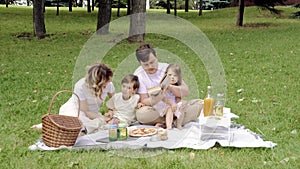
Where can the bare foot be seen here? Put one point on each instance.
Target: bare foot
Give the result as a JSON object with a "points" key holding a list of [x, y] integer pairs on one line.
{"points": [[36, 127]]}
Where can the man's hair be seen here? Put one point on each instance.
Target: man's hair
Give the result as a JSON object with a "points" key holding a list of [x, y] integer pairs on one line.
{"points": [[132, 79], [142, 52]]}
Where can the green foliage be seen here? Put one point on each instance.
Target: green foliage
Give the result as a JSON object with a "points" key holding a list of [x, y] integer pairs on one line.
{"points": [[262, 58], [207, 4], [269, 5]]}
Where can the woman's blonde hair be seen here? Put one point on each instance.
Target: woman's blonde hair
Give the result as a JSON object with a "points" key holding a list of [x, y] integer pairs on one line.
{"points": [[98, 75]]}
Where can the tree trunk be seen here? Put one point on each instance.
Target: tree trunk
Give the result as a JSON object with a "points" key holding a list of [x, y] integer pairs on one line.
{"points": [[200, 7], [168, 7], [240, 18], [93, 5], [129, 7], [57, 8], [118, 12], [186, 5], [137, 21], [39, 28], [89, 6], [104, 15], [70, 5], [175, 7], [6, 3]]}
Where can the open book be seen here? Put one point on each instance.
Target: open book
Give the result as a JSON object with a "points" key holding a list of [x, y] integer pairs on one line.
{"points": [[164, 82]]}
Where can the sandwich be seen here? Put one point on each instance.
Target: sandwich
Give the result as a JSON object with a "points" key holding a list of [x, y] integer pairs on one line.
{"points": [[164, 82]]}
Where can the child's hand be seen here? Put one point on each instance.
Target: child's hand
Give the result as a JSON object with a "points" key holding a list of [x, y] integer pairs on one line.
{"points": [[109, 114], [140, 105]]}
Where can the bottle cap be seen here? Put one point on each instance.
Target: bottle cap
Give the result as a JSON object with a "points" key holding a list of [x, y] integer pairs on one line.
{"points": [[122, 125], [113, 126]]}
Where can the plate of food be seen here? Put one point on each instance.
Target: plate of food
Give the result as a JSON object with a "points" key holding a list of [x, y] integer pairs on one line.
{"points": [[142, 131]]}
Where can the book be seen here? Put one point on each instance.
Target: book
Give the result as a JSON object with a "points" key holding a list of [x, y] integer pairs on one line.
{"points": [[164, 82]]}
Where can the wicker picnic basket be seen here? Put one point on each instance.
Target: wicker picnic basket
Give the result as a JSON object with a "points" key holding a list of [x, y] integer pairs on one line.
{"points": [[58, 129]]}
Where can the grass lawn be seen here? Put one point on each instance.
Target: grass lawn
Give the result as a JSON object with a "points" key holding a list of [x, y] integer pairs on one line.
{"points": [[262, 58]]}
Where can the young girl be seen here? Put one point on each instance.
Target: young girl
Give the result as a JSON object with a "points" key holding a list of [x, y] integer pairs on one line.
{"points": [[174, 74]]}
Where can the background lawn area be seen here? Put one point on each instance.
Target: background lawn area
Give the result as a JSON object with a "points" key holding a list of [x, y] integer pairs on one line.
{"points": [[262, 58]]}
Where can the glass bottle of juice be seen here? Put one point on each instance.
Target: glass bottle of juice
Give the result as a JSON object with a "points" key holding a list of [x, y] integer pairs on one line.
{"points": [[208, 103], [219, 104]]}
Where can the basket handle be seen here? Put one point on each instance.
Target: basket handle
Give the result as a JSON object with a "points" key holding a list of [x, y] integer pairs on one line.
{"points": [[63, 91]]}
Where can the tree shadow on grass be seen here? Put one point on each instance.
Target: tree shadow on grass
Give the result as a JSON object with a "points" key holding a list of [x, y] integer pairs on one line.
{"points": [[258, 25]]}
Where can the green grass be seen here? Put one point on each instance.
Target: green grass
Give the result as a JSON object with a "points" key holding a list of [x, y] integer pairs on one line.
{"points": [[263, 60]]}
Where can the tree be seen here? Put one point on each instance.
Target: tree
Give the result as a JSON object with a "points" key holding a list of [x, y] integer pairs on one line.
{"points": [[57, 8], [263, 4], [104, 15], [89, 6], [200, 7], [240, 18], [269, 5], [119, 4], [39, 28], [137, 21], [168, 7], [129, 7], [70, 5], [175, 7], [186, 6]]}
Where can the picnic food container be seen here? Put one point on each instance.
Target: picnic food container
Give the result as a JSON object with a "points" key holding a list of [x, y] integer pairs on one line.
{"points": [[122, 131], [113, 132], [219, 104], [58, 129]]}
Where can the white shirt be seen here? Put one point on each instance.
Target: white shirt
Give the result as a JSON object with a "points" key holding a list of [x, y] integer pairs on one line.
{"points": [[124, 110], [148, 81], [85, 94]]}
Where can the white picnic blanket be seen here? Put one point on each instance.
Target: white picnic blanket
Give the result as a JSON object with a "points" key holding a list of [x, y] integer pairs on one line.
{"points": [[195, 135]]}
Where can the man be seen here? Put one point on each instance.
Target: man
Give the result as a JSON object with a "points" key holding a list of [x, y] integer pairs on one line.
{"points": [[150, 72]]}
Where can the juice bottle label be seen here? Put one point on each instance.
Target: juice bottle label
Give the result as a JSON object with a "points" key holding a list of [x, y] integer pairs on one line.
{"points": [[208, 106]]}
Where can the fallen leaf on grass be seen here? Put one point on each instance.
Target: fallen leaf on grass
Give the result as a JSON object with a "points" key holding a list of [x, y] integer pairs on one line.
{"points": [[192, 156], [242, 99], [255, 101], [294, 132], [285, 160], [240, 90]]}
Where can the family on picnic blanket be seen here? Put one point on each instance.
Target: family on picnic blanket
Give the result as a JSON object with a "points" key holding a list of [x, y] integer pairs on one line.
{"points": [[165, 108]]}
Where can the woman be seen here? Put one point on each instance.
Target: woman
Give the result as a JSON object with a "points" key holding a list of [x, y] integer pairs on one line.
{"points": [[92, 91]]}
